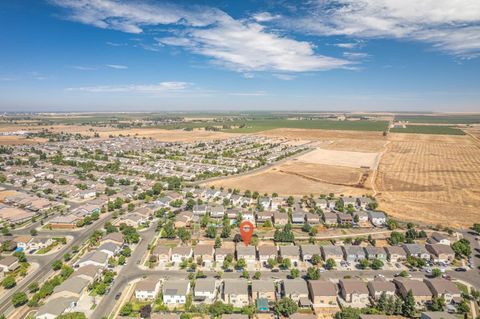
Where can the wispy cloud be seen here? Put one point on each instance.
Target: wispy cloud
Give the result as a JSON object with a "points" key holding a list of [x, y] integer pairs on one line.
{"points": [[84, 68], [285, 77], [242, 45], [117, 66], [449, 25], [158, 87]]}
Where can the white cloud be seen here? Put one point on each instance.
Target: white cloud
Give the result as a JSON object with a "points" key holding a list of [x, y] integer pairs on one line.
{"points": [[240, 45], [285, 77], [355, 55], [159, 87], [449, 25], [117, 66], [265, 17]]}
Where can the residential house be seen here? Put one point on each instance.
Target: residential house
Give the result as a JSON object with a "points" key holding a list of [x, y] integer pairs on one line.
{"points": [[298, 217], [323, 293], [437, 315], [439, 238], [291, 252], [380, 286], [364, 202], [353, 253], [277, 202], [115, 237], [312, 219], [416, 250], [263, 289], [349, 201], [376, 253], [246, 253], [441, 253], [9, 263], [200, 210], [161, 254], [71, 287], [181, 253], [64, 222], [222, 252], [147, 289], [54, 308], [248, 215], [205, 290], [264, 216], [23, 242], [205, 253], [361, 216], [175, 292], [89, 272], [309, 250], [354, 292], [265, 202], [96, 258], [330, 219], [111, 249], [444, 288], [332, 252], [396, 253], [235, 292], [280, 218], [217, 211], [421, 292], [377, 218], [295, 289], [323, 204], [344, 219], [266, 252]]}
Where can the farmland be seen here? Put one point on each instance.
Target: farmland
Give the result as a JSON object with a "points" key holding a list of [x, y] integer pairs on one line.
{"points": [[258, 125], [440, 119], [435, 179], [428, 129]]}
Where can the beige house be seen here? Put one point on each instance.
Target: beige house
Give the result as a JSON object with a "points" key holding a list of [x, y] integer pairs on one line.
{"points": [[441, 253], [381, 286], [444, 288], [354, 292], [295, 289], [264, 289], [421, 292], [323, 293], [235, 292], [161, 254], [204, 253]]}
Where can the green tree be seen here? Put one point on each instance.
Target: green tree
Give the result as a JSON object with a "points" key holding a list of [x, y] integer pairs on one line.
{"points": [[462, 248], [408, 308], [57, 265], [226, 230], [218, 242], [285, 307], [245, 274], [438, 304], [348, 313], [364, 263], [330, 263], [316, 259], [463, 307], [271, 263], [126, 309], [9, 282], [376, 264], [286, 263], [19, 299], [241, 263], [257, 275], [169, 230], [184, 234], [211, 231], [294, 273], [436, 272], [313, 273], [33, 287]]}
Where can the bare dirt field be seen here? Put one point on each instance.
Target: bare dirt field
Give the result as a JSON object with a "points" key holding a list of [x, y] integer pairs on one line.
{"points": [[341, 158], [298, 179], [432, 179], [20, 140]]}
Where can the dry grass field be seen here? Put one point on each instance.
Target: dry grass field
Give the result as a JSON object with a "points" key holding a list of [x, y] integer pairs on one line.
{"points": [[341, 158], [19, 140], [104, 132], [432, 179]]}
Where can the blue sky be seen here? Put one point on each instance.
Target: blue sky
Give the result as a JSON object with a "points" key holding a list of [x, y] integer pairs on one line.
{"points": [[360, 55]]}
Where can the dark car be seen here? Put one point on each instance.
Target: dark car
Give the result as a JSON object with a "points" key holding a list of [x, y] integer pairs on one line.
{"points": [[461, 269], [117, 296], [275, 270]]}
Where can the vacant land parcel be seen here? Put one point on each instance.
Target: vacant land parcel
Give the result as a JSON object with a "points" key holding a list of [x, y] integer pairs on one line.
{"points": [[431, 178]]}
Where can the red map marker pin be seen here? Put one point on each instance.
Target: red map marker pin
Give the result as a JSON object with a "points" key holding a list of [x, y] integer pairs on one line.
{"points": [[246, 231]]}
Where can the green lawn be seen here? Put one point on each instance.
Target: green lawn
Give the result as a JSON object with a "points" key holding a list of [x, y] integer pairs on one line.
{"points": [[428, 129]]}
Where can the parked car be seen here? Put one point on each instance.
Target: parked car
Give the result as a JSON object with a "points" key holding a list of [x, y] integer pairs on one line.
{"points": [[117, 296], [460, 269]]}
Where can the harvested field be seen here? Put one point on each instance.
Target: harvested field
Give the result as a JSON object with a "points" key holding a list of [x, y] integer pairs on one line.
{"points": [[298, 179], [432, 179], [341, 158], [20, 140], [105, 132]]}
